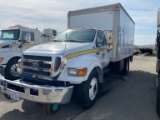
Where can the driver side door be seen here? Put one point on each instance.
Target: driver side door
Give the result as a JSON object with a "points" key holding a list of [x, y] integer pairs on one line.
{"points": [[101, 45], [29, 37]]}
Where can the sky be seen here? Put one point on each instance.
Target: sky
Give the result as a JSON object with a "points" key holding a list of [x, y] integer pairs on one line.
{"points": [[53, 14]]}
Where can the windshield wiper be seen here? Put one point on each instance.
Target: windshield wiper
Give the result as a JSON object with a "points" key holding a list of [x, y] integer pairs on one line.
{"points": [[71, 41], [57, 40], [6, 38]]}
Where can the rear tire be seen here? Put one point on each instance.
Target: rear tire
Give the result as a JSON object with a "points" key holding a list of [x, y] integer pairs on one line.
{"points": [[90, 89], [10, 71], [125, 67]]}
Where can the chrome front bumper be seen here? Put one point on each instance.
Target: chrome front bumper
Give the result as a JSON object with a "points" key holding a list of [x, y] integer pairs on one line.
{"points": [[36, 93]]}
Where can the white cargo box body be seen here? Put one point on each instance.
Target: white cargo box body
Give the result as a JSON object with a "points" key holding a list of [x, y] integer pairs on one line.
{"points": [[158, 18], [112, 18]]}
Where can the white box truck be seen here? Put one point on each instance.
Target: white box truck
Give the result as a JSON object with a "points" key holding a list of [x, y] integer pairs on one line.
{"points": [[10, 48], [96, 38]]}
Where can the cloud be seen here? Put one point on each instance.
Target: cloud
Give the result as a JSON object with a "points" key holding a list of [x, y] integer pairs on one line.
{"points": [[53, 13]]}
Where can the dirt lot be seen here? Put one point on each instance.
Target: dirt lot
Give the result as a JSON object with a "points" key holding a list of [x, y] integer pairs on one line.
{"points": [[132, 97]]}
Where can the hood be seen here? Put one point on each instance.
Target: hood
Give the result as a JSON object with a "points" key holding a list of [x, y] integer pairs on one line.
{"points": [[6, 42], [59, 47], [5, 45]]}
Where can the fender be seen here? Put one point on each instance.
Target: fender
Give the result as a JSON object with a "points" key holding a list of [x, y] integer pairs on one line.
{"points": [[85, 61], [9, 55]]}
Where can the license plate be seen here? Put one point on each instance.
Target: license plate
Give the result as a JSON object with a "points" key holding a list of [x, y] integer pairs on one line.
{"points": [[14, 95]]}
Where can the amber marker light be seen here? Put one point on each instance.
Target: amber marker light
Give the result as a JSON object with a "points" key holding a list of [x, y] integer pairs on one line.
{"points": [[51, 68], [82, 72], [1, 60]]}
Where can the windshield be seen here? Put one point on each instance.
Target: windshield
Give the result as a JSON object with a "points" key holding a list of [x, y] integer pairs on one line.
{"points": [[10, 34], [76, 36]]}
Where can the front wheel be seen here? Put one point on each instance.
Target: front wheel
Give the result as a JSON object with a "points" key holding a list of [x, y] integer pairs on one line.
{"points": [[50, 109], [90, 89], [11, 72]]}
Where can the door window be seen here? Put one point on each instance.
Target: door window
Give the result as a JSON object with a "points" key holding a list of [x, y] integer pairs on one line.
{"points": [[28, 36], [101, 39]]}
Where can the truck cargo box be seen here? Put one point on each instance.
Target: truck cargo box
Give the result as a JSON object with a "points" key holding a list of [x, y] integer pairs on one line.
{"points": [[158, 18], [111, 18]]}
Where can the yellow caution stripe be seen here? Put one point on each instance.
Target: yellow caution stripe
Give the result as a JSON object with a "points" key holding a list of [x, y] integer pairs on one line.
{"points": [[85, 52], [13, 45], [28, 45]]}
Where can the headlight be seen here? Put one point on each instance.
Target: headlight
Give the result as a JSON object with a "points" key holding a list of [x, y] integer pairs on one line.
{"points": [[1, 59], [77, 72], [72, 71]]}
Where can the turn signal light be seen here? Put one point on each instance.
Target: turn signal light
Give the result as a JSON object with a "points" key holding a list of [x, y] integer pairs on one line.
{"points": [[82, 72], [1, 60]]}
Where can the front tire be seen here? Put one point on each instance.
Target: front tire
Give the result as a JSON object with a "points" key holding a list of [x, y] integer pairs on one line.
{"points": [[90, 89], [11, 70], [50, 109]]}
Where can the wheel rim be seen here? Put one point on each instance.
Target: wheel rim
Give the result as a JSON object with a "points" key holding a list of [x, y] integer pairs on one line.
{"points": [[13, 70], [93, 88]]}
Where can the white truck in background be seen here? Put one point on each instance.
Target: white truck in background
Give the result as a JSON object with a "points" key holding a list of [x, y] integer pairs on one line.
{"points": [[96, 39], [11, 50]]}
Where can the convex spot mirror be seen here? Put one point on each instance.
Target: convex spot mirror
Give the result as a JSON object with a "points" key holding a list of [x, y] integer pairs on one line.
{"points": [[99, 43]]}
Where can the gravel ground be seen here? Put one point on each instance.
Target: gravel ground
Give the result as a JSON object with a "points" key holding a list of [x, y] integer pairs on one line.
{"points": [[131, 97]]}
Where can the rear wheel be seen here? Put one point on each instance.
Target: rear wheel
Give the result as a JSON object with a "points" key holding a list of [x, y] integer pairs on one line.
{"points": [[90, 89], [11, 72]]}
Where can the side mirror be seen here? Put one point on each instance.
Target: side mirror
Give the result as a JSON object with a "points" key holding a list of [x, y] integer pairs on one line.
{"points": [[22, 41], [99, 44], [54, 32]]}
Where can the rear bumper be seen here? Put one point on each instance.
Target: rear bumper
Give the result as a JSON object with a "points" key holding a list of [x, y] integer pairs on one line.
{"points": [[36, 93]]}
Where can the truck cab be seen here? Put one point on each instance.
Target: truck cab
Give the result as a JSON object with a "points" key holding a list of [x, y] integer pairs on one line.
{"points": [[74, 59], [11, 47]]}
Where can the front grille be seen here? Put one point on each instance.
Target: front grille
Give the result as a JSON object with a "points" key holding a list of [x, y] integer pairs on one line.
{"points": [[44, 58], [37, 65], [36, 72], [40, 67], [40, 64]]}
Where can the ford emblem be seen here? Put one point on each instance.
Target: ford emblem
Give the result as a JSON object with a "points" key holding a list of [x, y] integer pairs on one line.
{"points": [[35, 64]]}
